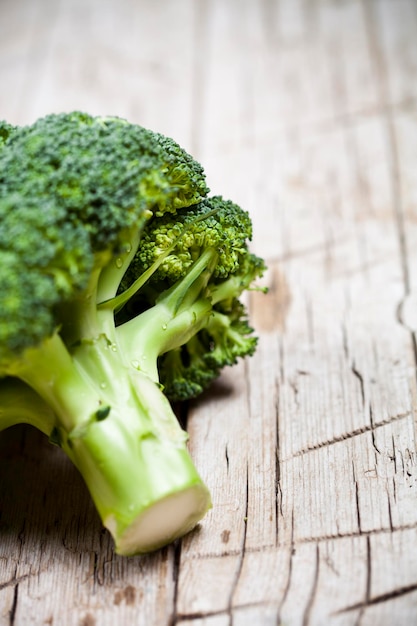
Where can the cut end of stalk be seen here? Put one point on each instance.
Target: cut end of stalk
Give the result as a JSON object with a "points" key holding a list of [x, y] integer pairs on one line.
{"points": [[163, 522]]}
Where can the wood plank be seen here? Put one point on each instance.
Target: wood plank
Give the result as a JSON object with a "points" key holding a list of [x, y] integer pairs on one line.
{"points": [[391, 28], [95, 58], [220, 419], [345, 391]]}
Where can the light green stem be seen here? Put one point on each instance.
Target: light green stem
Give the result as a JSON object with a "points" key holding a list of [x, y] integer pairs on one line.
{"points": [[19, 404], [135, 460], [119, 430]]}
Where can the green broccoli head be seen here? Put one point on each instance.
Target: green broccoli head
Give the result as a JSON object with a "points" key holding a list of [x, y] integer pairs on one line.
{"points": [[72, 188], [215, 223], [44, 260], [186, 176], [105, 172]]}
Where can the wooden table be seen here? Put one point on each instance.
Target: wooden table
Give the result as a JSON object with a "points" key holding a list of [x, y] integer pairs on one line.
{"points": [[304, 112]]}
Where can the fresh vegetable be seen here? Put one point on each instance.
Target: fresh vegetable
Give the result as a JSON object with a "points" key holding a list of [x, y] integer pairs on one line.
{"points": [[120, 284]]}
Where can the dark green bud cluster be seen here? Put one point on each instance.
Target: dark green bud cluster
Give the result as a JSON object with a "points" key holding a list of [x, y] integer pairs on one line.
{"points": [[105, 172], [226, 230]]}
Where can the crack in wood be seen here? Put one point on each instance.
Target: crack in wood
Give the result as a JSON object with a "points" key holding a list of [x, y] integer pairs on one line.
{"points": [[393, 458], [394, 489], [289, 577], [352, 535], [385, 597], [281, 360], [293, 384], [242, 553], [189, 617], [13, 609], [13, 582], [306, 540], [391, 521], [345, 336], [368, 582], [196, 615], [175, 576], [368, 585], [278, 490], [358, 509], [373, 426], [345, 436], [226, 455], [359, 377], [314, 587]]}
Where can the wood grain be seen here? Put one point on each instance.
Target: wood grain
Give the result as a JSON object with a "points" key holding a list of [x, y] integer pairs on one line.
{"points": [[306, 114]]}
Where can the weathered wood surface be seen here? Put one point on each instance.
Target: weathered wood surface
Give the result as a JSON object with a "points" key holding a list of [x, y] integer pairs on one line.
{"points": [[305, 112]]}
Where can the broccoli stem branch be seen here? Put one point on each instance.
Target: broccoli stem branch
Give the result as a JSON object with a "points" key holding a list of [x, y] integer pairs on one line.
{"points": [[113, 272], [79, 316], [50, 370], [179, 313], [19, 404]]}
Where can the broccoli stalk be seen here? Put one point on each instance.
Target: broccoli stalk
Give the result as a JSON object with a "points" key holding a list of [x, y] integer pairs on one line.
{"points": [[118, 428], [121, 433]]}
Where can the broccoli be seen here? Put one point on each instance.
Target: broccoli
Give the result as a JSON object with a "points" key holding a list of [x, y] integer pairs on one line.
{"points": [[120, 291]]}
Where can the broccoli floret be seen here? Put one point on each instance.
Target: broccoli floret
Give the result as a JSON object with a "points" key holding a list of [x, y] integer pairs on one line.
{"points": [[184, 372], [44, 260], [226, 229], [193, 291], [119, 277], [187, 371], [5, 131], [180, 371]]}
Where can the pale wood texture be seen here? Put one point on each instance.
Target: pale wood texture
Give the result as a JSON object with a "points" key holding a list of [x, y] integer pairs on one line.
{"points": [[304, 112]]}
